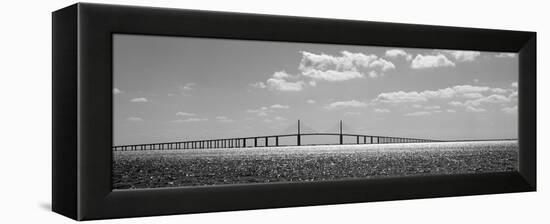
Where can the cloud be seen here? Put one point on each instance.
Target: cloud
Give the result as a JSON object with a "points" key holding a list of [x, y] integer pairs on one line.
{"points": [[381, 110], [431, 61], [310, 101], [185, 114], [418, 113], [474, 109], [499, 90], [395, 53], [465, 91], [470, 98], [261, 112], [189, 86], [513, 95], [341, 68], [506, 55], [280, 82], [456, 104], [495, 99], [475, 104], [400, 97], [280, 119], [279, 106], [258, 85], [345, 104], [224, 119], [463, 56], [435, 107], [139, 100], [332, 75], [323, 67], [116, 91], [351, 113], [451, 111], [514, 84], [193, 119], [510, 110], [134, 119], [472, 95]]}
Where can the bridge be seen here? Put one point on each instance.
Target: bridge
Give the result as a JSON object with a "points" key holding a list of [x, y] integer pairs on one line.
{"points": [[269, 141]]}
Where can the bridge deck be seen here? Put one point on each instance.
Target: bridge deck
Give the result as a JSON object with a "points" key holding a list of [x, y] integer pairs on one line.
{"points": [[241, 142]]}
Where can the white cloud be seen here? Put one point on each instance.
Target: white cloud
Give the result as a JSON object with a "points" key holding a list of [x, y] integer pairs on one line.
{"points": [[506, 55], [514, 84], [139, 100], [381, 110], [331, 75], [341, 68], [193, 119], [474, 109], [224, 119], [382, 64], [261, 112], [418, 113], [475, 104], [280, 118], [280, 82], [346, 104], [116, 91], [431, 61], [259, 85], [456, 104], [400, 97], [310, 101], [185, 114], [472, 95], [279, 106], [395, 53], [495, 99], [499, 90], [134, 119], [451, 111], [463, 56], [466, 91], [513, 95], [435, 107], [352, 113], [510, 110], [189, 86], [470, 98]]}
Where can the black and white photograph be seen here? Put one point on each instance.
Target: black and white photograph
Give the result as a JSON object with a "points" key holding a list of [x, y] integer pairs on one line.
{"points": [[191, 111], [276, 111]]}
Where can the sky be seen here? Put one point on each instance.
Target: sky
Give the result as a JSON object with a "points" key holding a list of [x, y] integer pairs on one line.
{"points": [[182, 88]]}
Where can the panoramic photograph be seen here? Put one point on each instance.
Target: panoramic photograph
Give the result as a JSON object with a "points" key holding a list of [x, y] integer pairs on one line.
{"points": [[191, 112]]}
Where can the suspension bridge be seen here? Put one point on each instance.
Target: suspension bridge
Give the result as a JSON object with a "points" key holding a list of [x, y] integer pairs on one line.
{"points": [[272, 141]]}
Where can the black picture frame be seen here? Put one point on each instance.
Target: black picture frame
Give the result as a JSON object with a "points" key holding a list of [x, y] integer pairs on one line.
{"points": [[82, 110]]}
